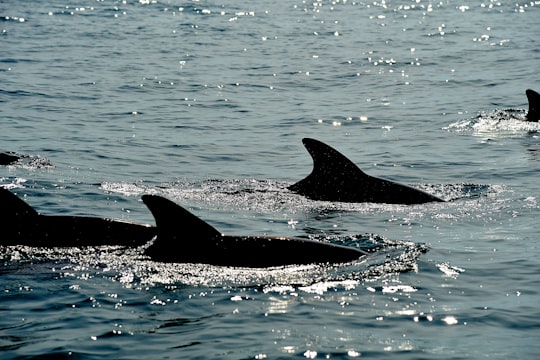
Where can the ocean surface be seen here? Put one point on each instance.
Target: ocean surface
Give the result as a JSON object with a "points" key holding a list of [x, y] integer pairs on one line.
{"points": [[206, 103]]}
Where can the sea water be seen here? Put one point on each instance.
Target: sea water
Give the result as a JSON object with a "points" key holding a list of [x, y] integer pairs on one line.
{"points": [[206, 103]]}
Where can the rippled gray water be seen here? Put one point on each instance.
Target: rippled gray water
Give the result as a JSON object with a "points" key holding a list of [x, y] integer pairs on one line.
{"points": [[206, 103]]}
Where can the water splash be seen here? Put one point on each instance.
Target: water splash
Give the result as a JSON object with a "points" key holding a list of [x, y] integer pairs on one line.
{"points": [[273, 196], [498, 123], [133, 269]]}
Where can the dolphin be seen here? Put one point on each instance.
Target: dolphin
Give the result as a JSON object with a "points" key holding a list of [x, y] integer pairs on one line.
{"points": [[20, 224], [181, 237], [7, 158], [336, 178], [184, 238], [534, 105]]}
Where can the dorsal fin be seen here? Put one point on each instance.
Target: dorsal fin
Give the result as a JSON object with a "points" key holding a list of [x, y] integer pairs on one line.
{"points": [[330, 169], [174, 220], [179, 232], [327, 161], [534, 105], [336, 178], [11, 207]]}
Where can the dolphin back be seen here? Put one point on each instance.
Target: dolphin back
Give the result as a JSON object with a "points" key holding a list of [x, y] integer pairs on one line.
{"points": [[336, 178], [7, 158], [185, 238], [22, 225]]}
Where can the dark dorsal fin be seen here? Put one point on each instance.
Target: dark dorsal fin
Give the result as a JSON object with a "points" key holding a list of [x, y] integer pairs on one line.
{"points": [[176, 221], [178, 231], [11, 207], [534, 105], [327, 161], [330, 169]]}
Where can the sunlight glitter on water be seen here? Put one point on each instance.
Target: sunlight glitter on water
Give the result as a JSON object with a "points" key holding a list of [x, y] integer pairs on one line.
{"points": [[425, 59], [496, 124], [450, 320]]}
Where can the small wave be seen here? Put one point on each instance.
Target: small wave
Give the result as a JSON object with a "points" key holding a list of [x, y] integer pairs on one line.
{"points": [[499, 123], [29, 162]]}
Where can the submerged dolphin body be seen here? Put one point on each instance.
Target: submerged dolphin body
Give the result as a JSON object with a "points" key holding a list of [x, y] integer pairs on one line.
{"points": [[336, 178], [184, 238], [534, 105], [22, 225]]}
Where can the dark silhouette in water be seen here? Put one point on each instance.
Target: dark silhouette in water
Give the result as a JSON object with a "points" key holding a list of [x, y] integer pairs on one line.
{"points": [[336, 178], [22, 225], [7, 158], [183, 237], [534, 105]]}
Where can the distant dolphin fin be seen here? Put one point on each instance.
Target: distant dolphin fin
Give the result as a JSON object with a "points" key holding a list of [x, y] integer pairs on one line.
{"points": [[11, 207], [172, 242], [534, 105], [330, 169]]}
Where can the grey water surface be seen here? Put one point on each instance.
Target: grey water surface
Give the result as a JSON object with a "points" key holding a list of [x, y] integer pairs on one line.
{"points": [[206, 103]]}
